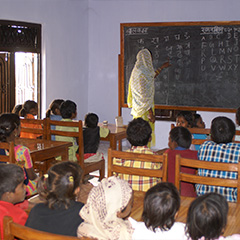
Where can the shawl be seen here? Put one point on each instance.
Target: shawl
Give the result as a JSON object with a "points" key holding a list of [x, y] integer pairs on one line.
{"points": [[100, 212], [141, 85]]}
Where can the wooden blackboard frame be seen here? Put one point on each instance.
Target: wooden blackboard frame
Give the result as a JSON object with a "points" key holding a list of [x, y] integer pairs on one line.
{"points": [[121, 80]]}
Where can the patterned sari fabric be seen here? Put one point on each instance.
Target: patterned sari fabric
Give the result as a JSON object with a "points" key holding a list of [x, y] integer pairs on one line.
{"points": [[22, 155], [100, 212], [141, 87]]}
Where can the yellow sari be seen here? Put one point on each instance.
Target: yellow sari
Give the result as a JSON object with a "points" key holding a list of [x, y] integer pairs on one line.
{"points": [[141, 88]]}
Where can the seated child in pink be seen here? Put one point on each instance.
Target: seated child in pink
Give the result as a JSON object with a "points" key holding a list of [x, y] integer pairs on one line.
{"points": [[9, 130]]}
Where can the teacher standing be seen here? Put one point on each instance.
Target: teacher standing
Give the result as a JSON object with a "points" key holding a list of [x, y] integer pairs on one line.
{"points": [[141, 88]]}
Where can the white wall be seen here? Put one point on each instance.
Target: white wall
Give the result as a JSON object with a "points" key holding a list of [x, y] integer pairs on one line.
{"points": [[64, 45], [104, 46]]}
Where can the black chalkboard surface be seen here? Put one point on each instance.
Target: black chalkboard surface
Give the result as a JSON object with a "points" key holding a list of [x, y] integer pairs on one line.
{"points": [[205, 63]]}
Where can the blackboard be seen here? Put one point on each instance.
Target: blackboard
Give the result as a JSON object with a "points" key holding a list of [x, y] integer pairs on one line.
{"points": [[205, 59]]}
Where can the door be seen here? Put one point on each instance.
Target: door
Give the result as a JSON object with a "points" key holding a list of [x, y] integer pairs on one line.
{"points": [[6, 86]]}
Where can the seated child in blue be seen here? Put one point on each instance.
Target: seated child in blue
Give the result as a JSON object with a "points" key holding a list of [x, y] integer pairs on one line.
{"points": [[198, 123]]}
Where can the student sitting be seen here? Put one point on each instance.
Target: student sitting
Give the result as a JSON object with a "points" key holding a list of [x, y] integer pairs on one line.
{"points": [[17, 108], [161, 205], [207, 218], [91, 138], [179, 142], [53, 112], [59, 213], [184, 119], [139, 134], [68, 110], [107, 210], [9, 130], [198, 123], [220, 149], [12, 191], [28, 111]]}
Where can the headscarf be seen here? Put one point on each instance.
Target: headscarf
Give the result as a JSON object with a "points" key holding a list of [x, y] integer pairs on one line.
{"points": [[141, 85], [100, 212]]}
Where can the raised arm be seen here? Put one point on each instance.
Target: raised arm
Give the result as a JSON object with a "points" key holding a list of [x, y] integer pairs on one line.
{"points": [[165, 65]]}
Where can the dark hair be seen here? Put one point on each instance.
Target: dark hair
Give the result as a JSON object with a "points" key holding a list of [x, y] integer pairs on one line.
{"points": [[68, 108], [11, 175], [181, 136], [207, 216], [17, 109], [138, 132], [91, 120], [238, 116], [58, 185], [196, 117], [8, 123], [161, 203], [27, 106], [54, 105], [188, 116], [222, 130]]}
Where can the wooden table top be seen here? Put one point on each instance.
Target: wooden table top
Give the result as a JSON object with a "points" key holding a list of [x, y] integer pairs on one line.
{"points": [[233, 223], [113, 128], [36, 145]]}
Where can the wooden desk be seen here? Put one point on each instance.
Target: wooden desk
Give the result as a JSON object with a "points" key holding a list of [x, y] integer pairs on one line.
{"points": [[117, 134], [43, 150], [233, 224]]}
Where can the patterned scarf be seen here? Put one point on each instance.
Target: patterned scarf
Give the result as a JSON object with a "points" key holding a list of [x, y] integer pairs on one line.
{"points": [[141, 85], [100, 212]]}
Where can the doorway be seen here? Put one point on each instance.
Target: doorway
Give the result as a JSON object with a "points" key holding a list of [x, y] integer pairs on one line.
{"points": [[20, 64]]}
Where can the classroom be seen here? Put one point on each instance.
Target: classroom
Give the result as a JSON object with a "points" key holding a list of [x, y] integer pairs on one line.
{"points": [[81, 45]]}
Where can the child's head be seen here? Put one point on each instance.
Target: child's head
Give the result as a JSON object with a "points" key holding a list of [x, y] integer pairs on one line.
{"points": [[139, 132], [222, 130], [184, 119], [179, 137], [68, 109], [161, 204], [238, 116], [107, 205], [207, 216], [29, 107], [60, 184], [198, 122], [112, 198], [17, 109], [54, 107], [12, 188], [91, 120], [9, 127]]}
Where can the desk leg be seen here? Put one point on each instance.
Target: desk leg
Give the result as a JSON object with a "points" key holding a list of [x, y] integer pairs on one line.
{"points": [[113, 142], [120, 145], [64, 155]]}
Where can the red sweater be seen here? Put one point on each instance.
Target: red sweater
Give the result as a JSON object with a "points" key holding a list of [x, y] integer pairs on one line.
{"points": [[187, 189]]}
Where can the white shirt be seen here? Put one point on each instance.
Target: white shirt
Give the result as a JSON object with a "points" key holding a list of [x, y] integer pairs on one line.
{"points": [[141, 232]]}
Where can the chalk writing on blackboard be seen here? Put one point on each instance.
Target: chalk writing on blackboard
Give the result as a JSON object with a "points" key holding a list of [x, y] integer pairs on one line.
{"points": [[205, 60]]}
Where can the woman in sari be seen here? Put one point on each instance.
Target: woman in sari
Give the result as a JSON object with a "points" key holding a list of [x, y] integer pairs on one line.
{"points": [[107, 209], [141, 88]]}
